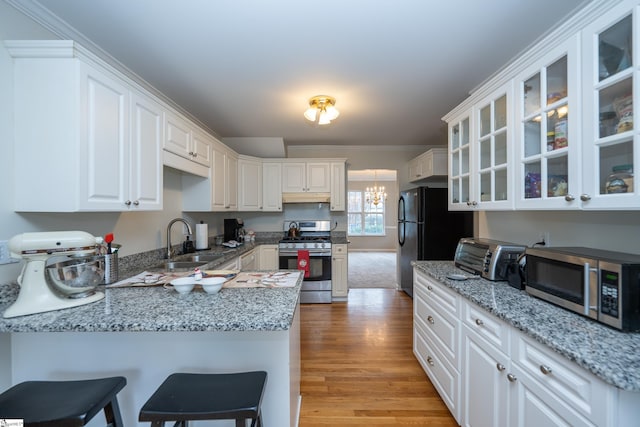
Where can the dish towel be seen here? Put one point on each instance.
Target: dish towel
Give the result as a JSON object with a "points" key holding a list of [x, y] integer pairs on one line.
{"points": [[303, 262]]}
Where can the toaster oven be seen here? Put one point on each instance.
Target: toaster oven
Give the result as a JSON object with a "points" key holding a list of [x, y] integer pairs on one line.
{"points": [[487, 258]]}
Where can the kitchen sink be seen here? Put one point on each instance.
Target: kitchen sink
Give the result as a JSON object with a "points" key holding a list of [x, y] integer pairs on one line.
{"points": [[178, 265], [205, 258]]}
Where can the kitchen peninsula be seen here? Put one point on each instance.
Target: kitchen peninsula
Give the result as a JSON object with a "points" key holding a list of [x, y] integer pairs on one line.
{"points": [[147, 333]]}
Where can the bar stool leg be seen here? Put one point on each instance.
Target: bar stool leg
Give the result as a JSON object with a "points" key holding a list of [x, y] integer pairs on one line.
{"points": [[112, 414]]}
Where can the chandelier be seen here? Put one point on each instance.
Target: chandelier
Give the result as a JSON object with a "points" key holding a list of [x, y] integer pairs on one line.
{"points": [[321, 110], [375, 194]]}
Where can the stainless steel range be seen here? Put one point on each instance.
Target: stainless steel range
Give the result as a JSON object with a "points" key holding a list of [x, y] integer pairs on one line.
{"points": [[314, 237]]}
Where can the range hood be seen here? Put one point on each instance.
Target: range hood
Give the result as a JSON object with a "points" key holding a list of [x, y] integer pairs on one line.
{"points": [[306, 197]]}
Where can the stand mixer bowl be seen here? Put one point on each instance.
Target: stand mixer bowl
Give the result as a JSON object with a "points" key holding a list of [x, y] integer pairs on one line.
{"points": [[77, 277]]}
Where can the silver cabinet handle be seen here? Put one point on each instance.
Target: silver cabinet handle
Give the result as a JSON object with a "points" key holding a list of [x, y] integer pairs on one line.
{"points": [[430, 360], [136, 203], [479, 322], [545, 369], [430, 287], [500, 367], [585, 197], [430, 319], [512, 378], [128, 203], [569, 198]]}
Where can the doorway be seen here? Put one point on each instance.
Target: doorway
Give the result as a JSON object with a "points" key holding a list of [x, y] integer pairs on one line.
{"points": [[372, 228]]}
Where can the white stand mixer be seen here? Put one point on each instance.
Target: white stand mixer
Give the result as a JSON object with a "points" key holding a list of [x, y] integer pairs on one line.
{"points": [[36, 296]]}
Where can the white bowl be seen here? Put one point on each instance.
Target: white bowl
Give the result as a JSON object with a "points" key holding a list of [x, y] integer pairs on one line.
{"points": [[212, 285], [183, 285]]}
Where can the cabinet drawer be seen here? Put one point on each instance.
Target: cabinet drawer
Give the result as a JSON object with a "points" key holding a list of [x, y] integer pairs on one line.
{"points": [[442, 328], [438, 295], [444, 377], [572, 385], [489, 327]]}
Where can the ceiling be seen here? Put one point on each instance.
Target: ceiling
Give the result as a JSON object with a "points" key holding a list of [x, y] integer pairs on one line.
{"points": [[247, 68]]}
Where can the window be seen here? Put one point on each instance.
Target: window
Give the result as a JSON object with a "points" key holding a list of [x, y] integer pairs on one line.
{"points": [[365, 219]]}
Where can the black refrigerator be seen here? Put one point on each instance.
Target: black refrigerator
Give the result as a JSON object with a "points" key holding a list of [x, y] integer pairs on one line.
{"points": [[427, 230]]}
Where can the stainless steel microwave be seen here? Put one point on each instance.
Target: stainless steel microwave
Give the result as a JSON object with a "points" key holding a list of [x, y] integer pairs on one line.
{"points": [[602, 285]]}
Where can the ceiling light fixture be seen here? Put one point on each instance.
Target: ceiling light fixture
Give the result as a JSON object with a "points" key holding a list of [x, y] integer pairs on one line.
{"points": [[376, 194], [322, 110]]}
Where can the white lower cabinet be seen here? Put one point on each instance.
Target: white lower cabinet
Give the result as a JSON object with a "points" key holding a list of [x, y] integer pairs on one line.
{"points": [[339, 271], [268, 257], [436, 338], [249, 261], [505, 378]]}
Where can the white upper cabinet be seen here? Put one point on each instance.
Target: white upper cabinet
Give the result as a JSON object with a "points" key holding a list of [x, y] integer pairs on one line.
{"points": [[186, 147], [573, 132], [611, 147], [249, 184], [272, 186], [549, 149], [460, 162], [493, 147], [302, 177], [97, 138], [338, 187]]}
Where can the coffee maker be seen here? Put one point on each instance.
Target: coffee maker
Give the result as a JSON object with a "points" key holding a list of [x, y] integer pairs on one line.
{"points": [[233, 229]]}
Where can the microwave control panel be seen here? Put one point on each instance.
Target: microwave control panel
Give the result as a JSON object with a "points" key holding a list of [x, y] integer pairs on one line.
{"points": [[609, 293]]}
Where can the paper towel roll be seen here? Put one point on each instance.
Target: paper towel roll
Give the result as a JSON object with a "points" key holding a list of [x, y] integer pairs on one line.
{"points": [[202, 236]]}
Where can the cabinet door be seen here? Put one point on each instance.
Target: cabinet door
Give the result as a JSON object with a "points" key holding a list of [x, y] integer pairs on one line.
{"points": [[549, 153], [319, 177], [145, 154], [231, 185], [249, 185], [294, 177], [339, 271], [493, 145], [460, 190], [338, 184], [201, 148], [484, 382], [272, 187], [177, 136], [611, 148], [248, 261], [268, 257], [105, 141], [218, 177]]}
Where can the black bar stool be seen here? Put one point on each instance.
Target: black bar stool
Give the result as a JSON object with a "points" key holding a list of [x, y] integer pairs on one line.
{"points": [[189, 397], [63, 403]]}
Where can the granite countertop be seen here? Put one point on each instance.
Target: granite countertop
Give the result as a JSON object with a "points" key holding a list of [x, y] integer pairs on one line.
{"points": [[609, 354], [157, 308]]}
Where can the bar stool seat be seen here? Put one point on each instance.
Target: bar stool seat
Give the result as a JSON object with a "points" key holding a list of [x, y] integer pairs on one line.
{"points": [[63, 403], [186, 397]]}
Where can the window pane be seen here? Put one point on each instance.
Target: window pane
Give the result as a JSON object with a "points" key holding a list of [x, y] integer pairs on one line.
{"points": [[355, 224], [373, 224], [355, 201]]}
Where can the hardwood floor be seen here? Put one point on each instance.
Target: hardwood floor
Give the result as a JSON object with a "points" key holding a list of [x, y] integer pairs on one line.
{"points": [[358, 367]]}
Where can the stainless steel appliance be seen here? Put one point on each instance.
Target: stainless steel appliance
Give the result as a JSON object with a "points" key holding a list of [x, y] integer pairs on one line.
{"points": [[233, 229], [602, 285], [427, 230], [488, 258], [315, 237]]}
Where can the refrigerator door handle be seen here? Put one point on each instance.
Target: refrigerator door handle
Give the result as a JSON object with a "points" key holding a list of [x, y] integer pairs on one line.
{"points": [[401, 232]]}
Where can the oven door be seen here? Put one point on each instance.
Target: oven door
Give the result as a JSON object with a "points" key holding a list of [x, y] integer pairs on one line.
{"points": [[319, 266], [568, 281]]}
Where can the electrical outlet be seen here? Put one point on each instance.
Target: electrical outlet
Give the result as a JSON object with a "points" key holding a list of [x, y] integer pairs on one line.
{"points": [[5, 254], [543, 236]]}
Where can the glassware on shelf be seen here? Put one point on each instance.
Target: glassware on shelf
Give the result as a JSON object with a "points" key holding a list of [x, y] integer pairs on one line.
{"points": [[620, 180]]}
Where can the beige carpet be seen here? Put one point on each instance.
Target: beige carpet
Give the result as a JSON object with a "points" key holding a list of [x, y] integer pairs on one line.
{"points": [[372, 270]]}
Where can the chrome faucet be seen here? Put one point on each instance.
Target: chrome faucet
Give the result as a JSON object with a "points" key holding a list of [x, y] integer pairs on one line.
{"points": [[173, 221]]}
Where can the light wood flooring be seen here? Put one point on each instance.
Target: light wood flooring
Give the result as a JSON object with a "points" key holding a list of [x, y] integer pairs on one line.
{"points": [[358, 367]]}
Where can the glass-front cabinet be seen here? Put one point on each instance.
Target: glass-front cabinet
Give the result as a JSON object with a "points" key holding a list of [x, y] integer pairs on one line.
{"points": [[459, 166], [492, 145], [548, 146], [610, 135]]}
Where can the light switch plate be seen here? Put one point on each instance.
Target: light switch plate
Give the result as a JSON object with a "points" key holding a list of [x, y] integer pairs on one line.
{"points": [[5, 254]]}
